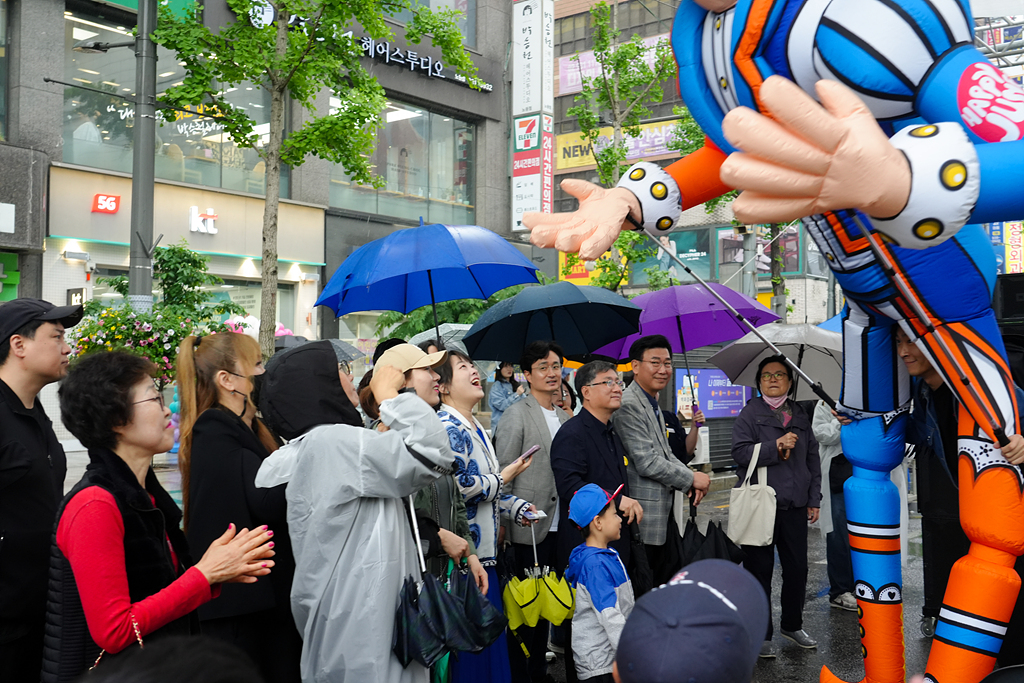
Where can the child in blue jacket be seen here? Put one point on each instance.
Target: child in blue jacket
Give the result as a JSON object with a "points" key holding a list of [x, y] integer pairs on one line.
{"points": [[604, 595]]}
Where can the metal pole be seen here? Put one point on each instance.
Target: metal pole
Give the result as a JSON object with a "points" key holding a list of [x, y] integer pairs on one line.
{"points": [[433, 307], [749, 283], [140, 268], [815, 386], [903, 287]]}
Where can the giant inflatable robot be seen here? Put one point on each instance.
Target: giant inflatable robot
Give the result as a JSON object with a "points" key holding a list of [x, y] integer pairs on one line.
{"points": [[916, 140]]}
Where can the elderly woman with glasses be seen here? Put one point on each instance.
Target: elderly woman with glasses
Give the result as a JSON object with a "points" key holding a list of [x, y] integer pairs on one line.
{"points": [[120, 570], [790, 454]]}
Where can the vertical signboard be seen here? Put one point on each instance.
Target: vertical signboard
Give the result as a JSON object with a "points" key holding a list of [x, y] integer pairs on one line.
{"points": [[533, 139]]}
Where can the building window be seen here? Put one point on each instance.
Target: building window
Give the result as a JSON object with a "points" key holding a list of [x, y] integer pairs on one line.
{"points": [[3, 69], [426, 162], [466, 22], [730, 250], [190, 147]]}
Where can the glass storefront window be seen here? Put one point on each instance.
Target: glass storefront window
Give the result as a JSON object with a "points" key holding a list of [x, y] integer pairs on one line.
{"points": [[190, 147], [466, 22], [245, 293], [426, 161], [730, 249], [691, 246]]}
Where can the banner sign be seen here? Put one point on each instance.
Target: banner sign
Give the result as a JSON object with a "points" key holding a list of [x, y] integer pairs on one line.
{"points": [[712, 391], [572, 72], [574, 151], [533, 166]]}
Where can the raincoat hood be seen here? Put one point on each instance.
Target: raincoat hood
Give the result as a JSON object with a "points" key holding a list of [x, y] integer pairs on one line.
{"points": [[301, 390]]}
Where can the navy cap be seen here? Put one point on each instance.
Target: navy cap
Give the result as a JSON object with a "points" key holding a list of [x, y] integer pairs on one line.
{"points": [[706, 625], [17, 313], [588, 502]]}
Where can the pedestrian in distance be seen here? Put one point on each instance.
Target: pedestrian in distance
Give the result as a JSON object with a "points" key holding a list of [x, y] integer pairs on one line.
{"points": [[351, 535], [33, 353], [505, 391], [223, 444], [120, 568], [484, 487], [704, 625], [604, 595], [534, 421], [654, 472], [790, 454]]}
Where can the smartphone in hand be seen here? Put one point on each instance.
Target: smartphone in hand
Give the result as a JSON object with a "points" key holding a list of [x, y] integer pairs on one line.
{"points": [[533, 516], [525, 457]]}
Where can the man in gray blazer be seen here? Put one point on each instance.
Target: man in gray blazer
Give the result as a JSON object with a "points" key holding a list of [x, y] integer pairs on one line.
{"points": [[530, 422], [653, 471]]}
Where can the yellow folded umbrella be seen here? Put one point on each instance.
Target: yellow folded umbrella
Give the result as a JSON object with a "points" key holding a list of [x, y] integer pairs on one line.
{"points": [[557, 599]]}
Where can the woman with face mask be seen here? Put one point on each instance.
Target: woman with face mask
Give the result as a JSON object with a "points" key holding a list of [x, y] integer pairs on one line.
{"points": [[223, 444]]}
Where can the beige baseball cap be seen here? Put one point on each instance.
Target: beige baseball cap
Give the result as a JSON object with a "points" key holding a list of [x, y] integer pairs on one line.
{"points": [[407, 357]]}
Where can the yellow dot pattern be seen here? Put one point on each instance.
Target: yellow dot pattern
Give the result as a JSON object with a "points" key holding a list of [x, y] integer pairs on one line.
{"points": [[953, 175], [637, 174], [659, 190]]}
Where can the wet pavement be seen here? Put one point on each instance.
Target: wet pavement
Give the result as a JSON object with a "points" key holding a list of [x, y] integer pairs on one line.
{"points": [[835, 630]]}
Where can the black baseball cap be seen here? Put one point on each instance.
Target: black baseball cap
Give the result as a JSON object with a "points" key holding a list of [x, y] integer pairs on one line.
{"points": [[15, 314], [706, 625]]}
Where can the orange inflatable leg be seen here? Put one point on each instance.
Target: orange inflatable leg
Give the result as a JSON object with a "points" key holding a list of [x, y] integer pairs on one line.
{"points": [[983, 585]]}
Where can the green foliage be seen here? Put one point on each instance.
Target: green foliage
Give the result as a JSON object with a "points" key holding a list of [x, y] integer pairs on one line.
{"points": [[461, 311], [184, 309], [687, 137], [622, 93]]}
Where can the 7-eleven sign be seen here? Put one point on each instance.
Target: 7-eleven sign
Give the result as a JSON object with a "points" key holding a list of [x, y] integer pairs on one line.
{"points": [[527, 133]]}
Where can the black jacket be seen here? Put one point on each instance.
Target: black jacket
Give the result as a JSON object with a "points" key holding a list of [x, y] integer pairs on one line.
{"points": [[32, 469], [797, 481], [586, 451], [225, 457], [69, 650]]}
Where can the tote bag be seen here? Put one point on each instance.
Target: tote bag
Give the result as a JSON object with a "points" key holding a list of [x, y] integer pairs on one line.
{"points": [[752, 508]]}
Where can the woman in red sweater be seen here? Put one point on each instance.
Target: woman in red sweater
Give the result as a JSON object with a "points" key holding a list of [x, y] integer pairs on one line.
{"points": [[120, 570]]}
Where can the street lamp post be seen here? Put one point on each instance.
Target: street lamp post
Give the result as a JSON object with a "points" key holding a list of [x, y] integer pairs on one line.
{"points": [[140, 264]]}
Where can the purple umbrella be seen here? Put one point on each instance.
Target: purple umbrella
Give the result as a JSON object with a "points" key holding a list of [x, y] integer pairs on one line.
{"points": [[690, 317]]}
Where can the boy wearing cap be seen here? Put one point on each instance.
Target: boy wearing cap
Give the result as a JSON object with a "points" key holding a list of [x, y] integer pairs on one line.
{"points": [[604, 594], [33, 353]]}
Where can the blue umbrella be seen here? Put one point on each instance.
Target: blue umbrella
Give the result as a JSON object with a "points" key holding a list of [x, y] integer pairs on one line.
{"points": [[580, 319], [833, 324], [421, 266]]}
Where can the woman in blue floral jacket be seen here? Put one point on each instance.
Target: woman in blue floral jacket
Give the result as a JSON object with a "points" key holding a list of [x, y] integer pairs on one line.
{"points": [[479, 479]]}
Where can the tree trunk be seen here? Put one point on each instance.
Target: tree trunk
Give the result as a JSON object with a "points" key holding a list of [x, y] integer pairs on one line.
{"points": [[272, 157], [778, 282]]}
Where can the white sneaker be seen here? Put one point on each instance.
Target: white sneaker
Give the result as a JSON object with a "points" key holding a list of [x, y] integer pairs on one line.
{"points": [[844, 601]]}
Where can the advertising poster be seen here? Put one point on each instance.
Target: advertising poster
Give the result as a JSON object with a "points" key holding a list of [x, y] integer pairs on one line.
{"points": [[712, 391], [691, 246]]}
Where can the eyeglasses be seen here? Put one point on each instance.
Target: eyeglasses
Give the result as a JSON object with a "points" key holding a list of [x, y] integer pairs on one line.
{"points": [[543, 369], [158, 398], [609, 383], [345, 367], [766, 376], [659, 364]]}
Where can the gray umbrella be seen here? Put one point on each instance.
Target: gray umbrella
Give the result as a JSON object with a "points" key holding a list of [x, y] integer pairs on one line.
{"points": [[345, 352], [451, 333], [817, 352]]}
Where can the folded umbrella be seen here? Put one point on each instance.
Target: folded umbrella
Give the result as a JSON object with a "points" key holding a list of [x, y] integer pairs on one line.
{"points": [[817, 352], [718, 545], [580, 319], [557, 598]]}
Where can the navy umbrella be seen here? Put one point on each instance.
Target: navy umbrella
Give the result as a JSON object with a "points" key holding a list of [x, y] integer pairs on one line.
{"points": [[580, 319], [421, 266]]}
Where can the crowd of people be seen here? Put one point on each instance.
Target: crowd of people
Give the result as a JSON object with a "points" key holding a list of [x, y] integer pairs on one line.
{"points": [[301, 493]]}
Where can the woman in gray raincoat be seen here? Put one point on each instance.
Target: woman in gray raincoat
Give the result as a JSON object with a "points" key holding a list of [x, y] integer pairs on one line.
{"points": [[353, 543]]}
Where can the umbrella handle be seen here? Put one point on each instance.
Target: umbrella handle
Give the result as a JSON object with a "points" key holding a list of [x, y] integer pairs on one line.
{"points": [[815, 386], [533, 535], [416, 535]]}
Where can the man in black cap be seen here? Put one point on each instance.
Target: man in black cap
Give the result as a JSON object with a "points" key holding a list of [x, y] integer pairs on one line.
{"points": [[33, 353]]}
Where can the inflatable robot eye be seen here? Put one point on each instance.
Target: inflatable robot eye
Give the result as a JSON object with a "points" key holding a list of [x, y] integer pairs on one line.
{"points": [[863, 591], [944, 186], [890, 594]]}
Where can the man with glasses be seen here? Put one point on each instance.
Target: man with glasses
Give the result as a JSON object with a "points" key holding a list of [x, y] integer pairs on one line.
{"points": [[531, 422], [654, 472], [33, 353]]}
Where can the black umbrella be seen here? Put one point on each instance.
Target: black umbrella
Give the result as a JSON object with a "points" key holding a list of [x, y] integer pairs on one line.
{"points": [[580, 319], [717, 545], [288, 341]]}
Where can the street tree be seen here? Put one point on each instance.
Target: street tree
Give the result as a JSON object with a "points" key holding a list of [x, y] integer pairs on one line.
{"points": [[631, 78], [298, 49]]}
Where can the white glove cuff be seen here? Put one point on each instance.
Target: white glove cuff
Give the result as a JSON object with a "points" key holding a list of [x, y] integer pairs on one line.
{"points": [[944, 186], [658, 194]]}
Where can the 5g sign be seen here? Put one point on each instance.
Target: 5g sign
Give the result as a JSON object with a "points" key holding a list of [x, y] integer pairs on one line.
{"points": [[106, 203]]}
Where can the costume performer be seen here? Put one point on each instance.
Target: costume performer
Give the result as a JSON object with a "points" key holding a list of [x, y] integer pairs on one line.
{"points": [[918, 137]]}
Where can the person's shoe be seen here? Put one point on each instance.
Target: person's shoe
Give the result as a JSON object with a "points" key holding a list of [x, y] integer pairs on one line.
{"points": [[928, 626], [767, 650], [800, 638], [844, 601]]}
